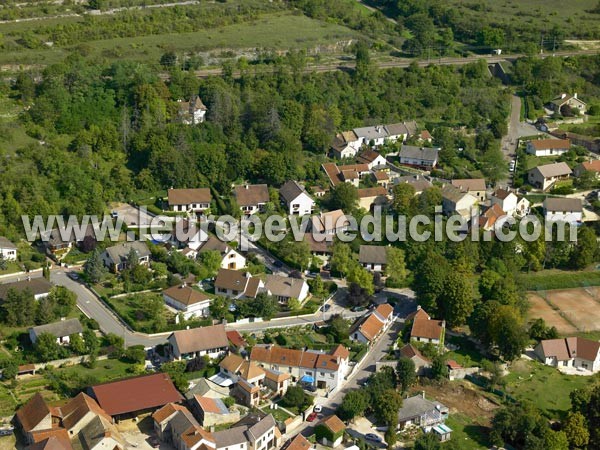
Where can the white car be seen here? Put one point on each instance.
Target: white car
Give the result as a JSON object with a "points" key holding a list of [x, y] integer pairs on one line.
{"points": [[318, 408]]}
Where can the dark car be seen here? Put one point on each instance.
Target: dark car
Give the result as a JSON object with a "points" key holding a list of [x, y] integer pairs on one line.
{"points": [[372, 437], [311, 417], [154, 442], [357, 308], [325, 308], [73, 276], [277, 263]]}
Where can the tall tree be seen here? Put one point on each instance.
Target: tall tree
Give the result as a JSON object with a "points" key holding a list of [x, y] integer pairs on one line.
{"points": [[395, 264], [94, 267], [353, 404], [406, 372], [458, 301]]}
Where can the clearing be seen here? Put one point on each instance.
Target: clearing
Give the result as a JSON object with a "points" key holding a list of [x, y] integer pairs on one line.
{"points": [[569, 310]]}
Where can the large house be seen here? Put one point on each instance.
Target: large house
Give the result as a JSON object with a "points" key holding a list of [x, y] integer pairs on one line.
{"points": [[116, 257], [329, 223], [80, 422], [349, 173], [189, 200], [192, 112], [230, 258], [187, 301], [426, 329], [252, 198], [510, 203], [576, 352], [134, 396], [256, 431], [456, 202], [236, 284], [61, 330], [562, 209], [286, 288], [8, 250], [373, 257], [296, 199], [38, 287], [418, 411], [475, 186], [175, 424], [345, 145], [422, 157], [368, 328], [421, 362], [323, 370], [548, 147], [370, 197], [543, 177], [418, 182], [212, 411], [572, 101], [188, 344], [374, 160], [588, 166]]}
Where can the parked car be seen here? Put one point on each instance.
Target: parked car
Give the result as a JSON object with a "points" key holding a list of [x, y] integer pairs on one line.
{"points": [[372, 437], [277, 263], [357, 308], [73, 276], [154, 442], [318, 408], [325, 307], [311, 417]]}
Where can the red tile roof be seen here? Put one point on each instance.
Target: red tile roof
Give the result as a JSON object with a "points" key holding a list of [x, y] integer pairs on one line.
{"points": [[167, 411], [425, 327], [136, 394], [236, 338], [33, 412], [299, 443]]}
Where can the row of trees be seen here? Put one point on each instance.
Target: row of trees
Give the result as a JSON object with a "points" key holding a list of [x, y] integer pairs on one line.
{"points": [[20, 308]]}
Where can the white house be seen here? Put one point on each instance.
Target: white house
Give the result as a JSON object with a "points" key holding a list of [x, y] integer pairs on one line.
{"points": [[188, 301], [8, 250], [548, 147], [188, 344], [373, 257], [561, 209], [456, 202], [345, 145], [192, 112], [252, 198], [38, 287], [295, 198], [375, 135], [507, 200], [323, 370], [421, 157], [230, 258], [236, 284], [368, 328], [374, 160], [286, 288], [543, 177], [62, 330], [573, 352], [566, 99], [426, 329], [192, 200], [418, 411], [474, 186]]}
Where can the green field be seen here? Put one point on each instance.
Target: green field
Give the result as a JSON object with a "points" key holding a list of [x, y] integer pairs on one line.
{"points": [[277, 31], [559, 279], [544, 386], [471, 436]]}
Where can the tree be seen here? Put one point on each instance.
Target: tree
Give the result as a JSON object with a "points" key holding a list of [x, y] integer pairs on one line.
{"points": [[592, 415], [362, 277], [3, 262], [363, 61], [341, 258], [458, 299], [427, 441], [219, 308], [587, 180], [357, 296], [211, 261], [168, 59], [94, 267], [586, 248], [576, 430], [91, 341], [344, 196], [9, 368], [295, 397], [116, 343], [404, 195], [176, 371], [95, 4], [19, 308], [63, 299], [430, 285], [395, 265], [386, 407], [491, 37], [539, 331], [318, 287], [135, 354], [405, 370], [511, 337], [354, 404], [338, 327], [439, 368], [46, 347], [76, 344]]}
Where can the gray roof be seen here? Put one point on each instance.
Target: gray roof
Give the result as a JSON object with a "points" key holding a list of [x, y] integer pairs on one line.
{"points": [[372, 254], [215, 244], [5, 243], [418, 182], [553, 170], [118, 253], [423, 153], [36, 286], [248, 429], [453, 194], [369, 133], [284, 286], [230, 437], [291, 190], [417, 406], [408, 128], [181, 421], [60, 329], [260, 428], [563, 204], [203, 387]]}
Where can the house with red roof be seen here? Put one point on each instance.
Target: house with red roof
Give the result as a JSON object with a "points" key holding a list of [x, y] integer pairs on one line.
{"points": [[426, 329], [368, 328]]}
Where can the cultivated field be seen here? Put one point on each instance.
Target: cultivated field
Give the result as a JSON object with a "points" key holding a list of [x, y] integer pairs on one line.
{"points": [[569, 310]]}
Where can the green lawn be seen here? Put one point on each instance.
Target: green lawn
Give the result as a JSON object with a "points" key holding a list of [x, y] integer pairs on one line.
{"points": [[283, 30], [559, 279], [470, 435], [467, 354], [544, 386], [279, 414]]}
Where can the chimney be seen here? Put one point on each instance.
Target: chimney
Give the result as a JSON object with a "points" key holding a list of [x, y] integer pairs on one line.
{"points": [[418, 307], [575, 95], [423, 394], [563, 95]]}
